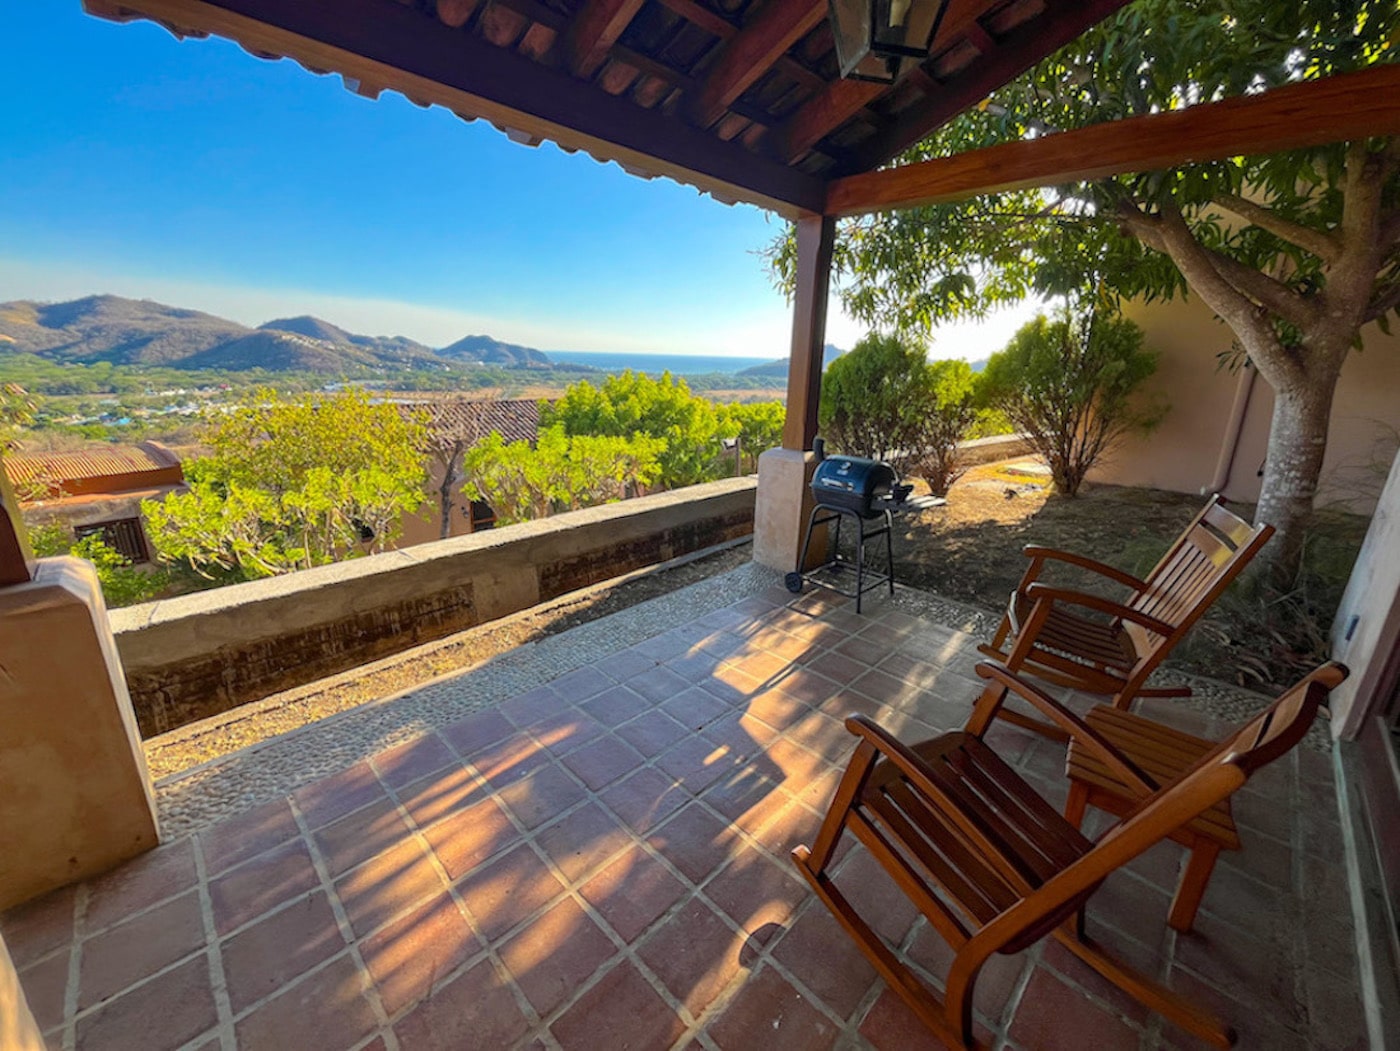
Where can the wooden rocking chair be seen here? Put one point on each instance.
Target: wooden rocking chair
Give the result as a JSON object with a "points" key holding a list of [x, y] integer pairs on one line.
{"points": [[1114, 649], [994, 867]]}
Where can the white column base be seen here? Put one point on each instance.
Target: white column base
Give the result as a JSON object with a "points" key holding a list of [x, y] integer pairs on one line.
{"points": [[781, 509]]}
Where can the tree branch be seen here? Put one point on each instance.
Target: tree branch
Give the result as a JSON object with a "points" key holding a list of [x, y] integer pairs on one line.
{"points": [[1382, 304], [1320, 244]]}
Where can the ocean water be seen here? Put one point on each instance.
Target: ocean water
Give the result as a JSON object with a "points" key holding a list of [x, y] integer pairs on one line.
{"points": [[676, 364]]}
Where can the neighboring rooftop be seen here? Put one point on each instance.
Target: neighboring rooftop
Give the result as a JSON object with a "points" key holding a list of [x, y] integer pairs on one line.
{"points": [[109, 469], [515, 419]]}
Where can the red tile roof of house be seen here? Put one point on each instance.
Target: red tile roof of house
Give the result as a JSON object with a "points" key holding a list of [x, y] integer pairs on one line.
{"points": [[113, 469], [515, 419]]}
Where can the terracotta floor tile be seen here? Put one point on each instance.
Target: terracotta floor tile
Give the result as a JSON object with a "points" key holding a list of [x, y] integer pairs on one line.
{"points": [[331, 798], [406, 763], [1053, 1017], [38, 927], [805, 685], [742, 791], [129, 951], [154, 876], [731, 685], [890, 1025], [470, 735], [1254, 1028], [410, 955], [795, 764], [757, 893], [885, 688], [326, 1009], [533, 705], [695, 841], [474, 1010], [645, 799], [821, 955], [777, 709], [581, 684], [503, 893], [258, 960], [632, 892], [387, 885], [696, 763], [617, 704], [511, 759], [466, 838], [654, 731], [695, 708], [542, 796], [1257, 972], [556, 954], [270, 879], [624, 664], [583, 841], [603, 761], [740, 735], [874, 894], [768, 1004], [659, 684], [45, 986], [567, 730], [695, 954], [438, 795], [159, 1014], [247, 835], [622, 1010], [825, 735], [838, 667], [355, 839]]}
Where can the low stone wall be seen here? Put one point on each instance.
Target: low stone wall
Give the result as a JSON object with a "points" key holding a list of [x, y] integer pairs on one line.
{"points": [[990, 450], [197, 655]]}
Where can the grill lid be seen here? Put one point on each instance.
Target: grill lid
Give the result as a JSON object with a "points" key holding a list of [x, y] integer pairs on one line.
{"points": [[852, 482]]}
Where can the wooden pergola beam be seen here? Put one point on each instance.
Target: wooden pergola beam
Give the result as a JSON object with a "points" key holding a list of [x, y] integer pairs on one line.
{"points": [[594, 30], [399, 48], [751, 52], [816, 238], [1312, 113]]}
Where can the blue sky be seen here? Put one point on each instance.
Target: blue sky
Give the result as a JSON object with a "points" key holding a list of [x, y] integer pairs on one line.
{"points": [[192, 173]]}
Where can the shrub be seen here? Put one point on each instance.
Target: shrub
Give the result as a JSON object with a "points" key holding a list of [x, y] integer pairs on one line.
{"points": [[1067, 384], [946, 414]]}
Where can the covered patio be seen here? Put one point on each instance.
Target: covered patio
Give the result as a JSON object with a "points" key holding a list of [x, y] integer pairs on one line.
{"points": [[601, 860]]}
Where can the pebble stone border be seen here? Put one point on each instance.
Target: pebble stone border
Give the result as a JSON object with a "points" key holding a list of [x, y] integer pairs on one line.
{"points": [[230, 784]]}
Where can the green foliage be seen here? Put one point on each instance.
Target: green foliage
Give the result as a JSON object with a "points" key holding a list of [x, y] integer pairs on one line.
{"points": [[561, 472], [689, 427], [1067, 384], [293, 484], [17, 411], [947, 413], [122, 584], [758, 425]]}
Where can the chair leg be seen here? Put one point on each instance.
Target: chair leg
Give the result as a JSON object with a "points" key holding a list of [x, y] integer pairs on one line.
{"points": [[1199, 866], [1154, 995], [1076, 802]]}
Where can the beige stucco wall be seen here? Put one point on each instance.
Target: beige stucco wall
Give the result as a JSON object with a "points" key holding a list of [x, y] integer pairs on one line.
{"points": [[1182, 453], [75, 798]]}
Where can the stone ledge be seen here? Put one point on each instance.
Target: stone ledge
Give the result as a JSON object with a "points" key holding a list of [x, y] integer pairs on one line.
{"points": [[197, 655]]}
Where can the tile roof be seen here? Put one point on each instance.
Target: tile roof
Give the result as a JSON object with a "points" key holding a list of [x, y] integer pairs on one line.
{"points": [[515, 419], [111, 469]]}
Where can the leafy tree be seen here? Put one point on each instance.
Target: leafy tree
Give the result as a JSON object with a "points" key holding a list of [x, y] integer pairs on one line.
{"points": [[561, 472], [872, 396], [122, 584], [17, 410], [948, 413], [758, 425], [1296, 252], [293, 484], [633, 403], [1067, 384]]}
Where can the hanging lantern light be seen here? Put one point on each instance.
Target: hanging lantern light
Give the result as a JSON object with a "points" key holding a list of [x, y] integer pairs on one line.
{"points": [[878, 40]]}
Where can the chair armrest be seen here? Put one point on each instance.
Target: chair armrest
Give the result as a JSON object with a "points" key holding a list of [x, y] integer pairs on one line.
{"points": [[1038, 555], [992, 699], [1043, 592]]}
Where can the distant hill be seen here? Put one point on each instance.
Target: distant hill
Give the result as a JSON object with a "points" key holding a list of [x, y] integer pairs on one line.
{"points": [[143, 332], [779, 367], [490, 351]]}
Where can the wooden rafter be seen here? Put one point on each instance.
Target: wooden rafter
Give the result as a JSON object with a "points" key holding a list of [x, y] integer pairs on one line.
{"points": [[751, 52], [716, 25], [1016, 52], [1313, 113], [595, 29], [388, 45]]}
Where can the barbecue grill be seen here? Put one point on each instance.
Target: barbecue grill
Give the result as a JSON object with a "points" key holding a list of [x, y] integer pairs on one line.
{"points": [[857, 488]]}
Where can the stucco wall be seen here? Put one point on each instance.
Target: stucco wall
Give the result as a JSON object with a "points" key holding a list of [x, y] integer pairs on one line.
{"points": [[1182, 453], [197, 655]]}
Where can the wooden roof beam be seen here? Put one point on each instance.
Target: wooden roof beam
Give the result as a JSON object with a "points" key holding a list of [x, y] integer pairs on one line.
{"points": [[402, 50], [702, 17], [1017, 51], [595, 29], [751, 52], [1297, 116]]}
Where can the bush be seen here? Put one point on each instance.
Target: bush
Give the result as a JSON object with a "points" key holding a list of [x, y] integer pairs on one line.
{"points": [[1067, 384], [122, 584], [946, 414]]}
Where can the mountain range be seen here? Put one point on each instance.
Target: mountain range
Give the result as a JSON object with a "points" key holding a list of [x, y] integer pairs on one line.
{"points": [[779, 366], [142, 332]]}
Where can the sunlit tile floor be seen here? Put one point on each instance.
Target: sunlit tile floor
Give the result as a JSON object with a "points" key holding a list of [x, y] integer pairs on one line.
{"points": [[603, 863]]}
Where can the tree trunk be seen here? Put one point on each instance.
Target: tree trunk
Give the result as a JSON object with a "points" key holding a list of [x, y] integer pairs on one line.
{"points": [[1297, 445], [449, 479]]}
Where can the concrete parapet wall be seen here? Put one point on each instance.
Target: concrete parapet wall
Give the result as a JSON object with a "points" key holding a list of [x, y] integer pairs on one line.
{"points": [[978, 451], [197, 655]]}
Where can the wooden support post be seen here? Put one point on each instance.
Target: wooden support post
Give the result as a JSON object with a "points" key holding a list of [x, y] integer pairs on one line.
{"points": [[16, 559], [816, 234]]}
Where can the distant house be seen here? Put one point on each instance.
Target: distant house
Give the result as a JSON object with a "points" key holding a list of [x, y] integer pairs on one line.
{"points": [[97, 491], [456, 425]]}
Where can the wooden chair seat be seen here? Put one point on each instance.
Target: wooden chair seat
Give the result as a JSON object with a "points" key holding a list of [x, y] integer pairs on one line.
{"points": [[1163, 755], [993, 867], [1097, 644]]}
